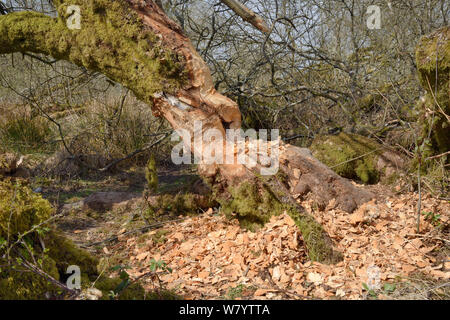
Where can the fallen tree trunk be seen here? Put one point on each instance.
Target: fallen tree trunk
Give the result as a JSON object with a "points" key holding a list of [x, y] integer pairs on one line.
{"points": [[134, 43]]}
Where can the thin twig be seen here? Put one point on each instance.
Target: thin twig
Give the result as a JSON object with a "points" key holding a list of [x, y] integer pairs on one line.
{"points": [[131, 155], [45, 275], [438, 156]]}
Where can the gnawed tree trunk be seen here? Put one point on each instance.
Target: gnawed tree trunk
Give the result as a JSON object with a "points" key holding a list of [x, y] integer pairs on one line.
{"points": [[134, 43]]}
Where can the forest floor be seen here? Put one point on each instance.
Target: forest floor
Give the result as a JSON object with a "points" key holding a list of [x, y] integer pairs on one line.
{"points": [[207, 256]]}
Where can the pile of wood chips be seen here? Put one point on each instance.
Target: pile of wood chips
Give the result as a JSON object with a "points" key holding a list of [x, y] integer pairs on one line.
{"points": [[211, 257]]}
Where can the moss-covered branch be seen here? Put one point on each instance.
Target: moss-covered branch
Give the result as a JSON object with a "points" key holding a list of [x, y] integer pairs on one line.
{"points": [[112, 40], [32, 31]]}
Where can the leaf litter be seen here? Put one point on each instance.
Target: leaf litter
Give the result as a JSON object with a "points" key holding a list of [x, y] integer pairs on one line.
{"points": [[209, 255]]}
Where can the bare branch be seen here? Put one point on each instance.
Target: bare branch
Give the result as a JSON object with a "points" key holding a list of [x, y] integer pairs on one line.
{"points": [[247, 14]]}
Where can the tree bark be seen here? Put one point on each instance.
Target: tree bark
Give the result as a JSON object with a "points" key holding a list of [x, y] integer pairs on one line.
{"points": [[134, 43]]}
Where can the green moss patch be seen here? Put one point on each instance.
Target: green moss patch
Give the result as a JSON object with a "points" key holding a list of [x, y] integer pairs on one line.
{"points": [[17, 283], [433, 65], [338, 152], [112, 40], [24, 216], [253, 208], [21, 211], [151, 174], [250, 206]]}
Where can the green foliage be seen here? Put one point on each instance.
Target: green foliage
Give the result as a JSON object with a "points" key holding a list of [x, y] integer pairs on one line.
{"points": [[389, 288], [235, 292], [371, 292], [338, 152], [123, 288], [17, 283], [159, 265], [112, 40], [120, 288], [21, 211], [433, 218], [65, 253]]}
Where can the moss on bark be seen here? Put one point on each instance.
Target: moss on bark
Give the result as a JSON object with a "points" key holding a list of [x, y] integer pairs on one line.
{"points": [[337, 151], [20, 209], [181, 203], [433, 65], [151, 174], [254, 205], [112, 40]]}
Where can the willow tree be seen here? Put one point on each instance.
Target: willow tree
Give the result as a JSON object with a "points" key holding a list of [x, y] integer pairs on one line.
{"points": [[134, 43]]}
